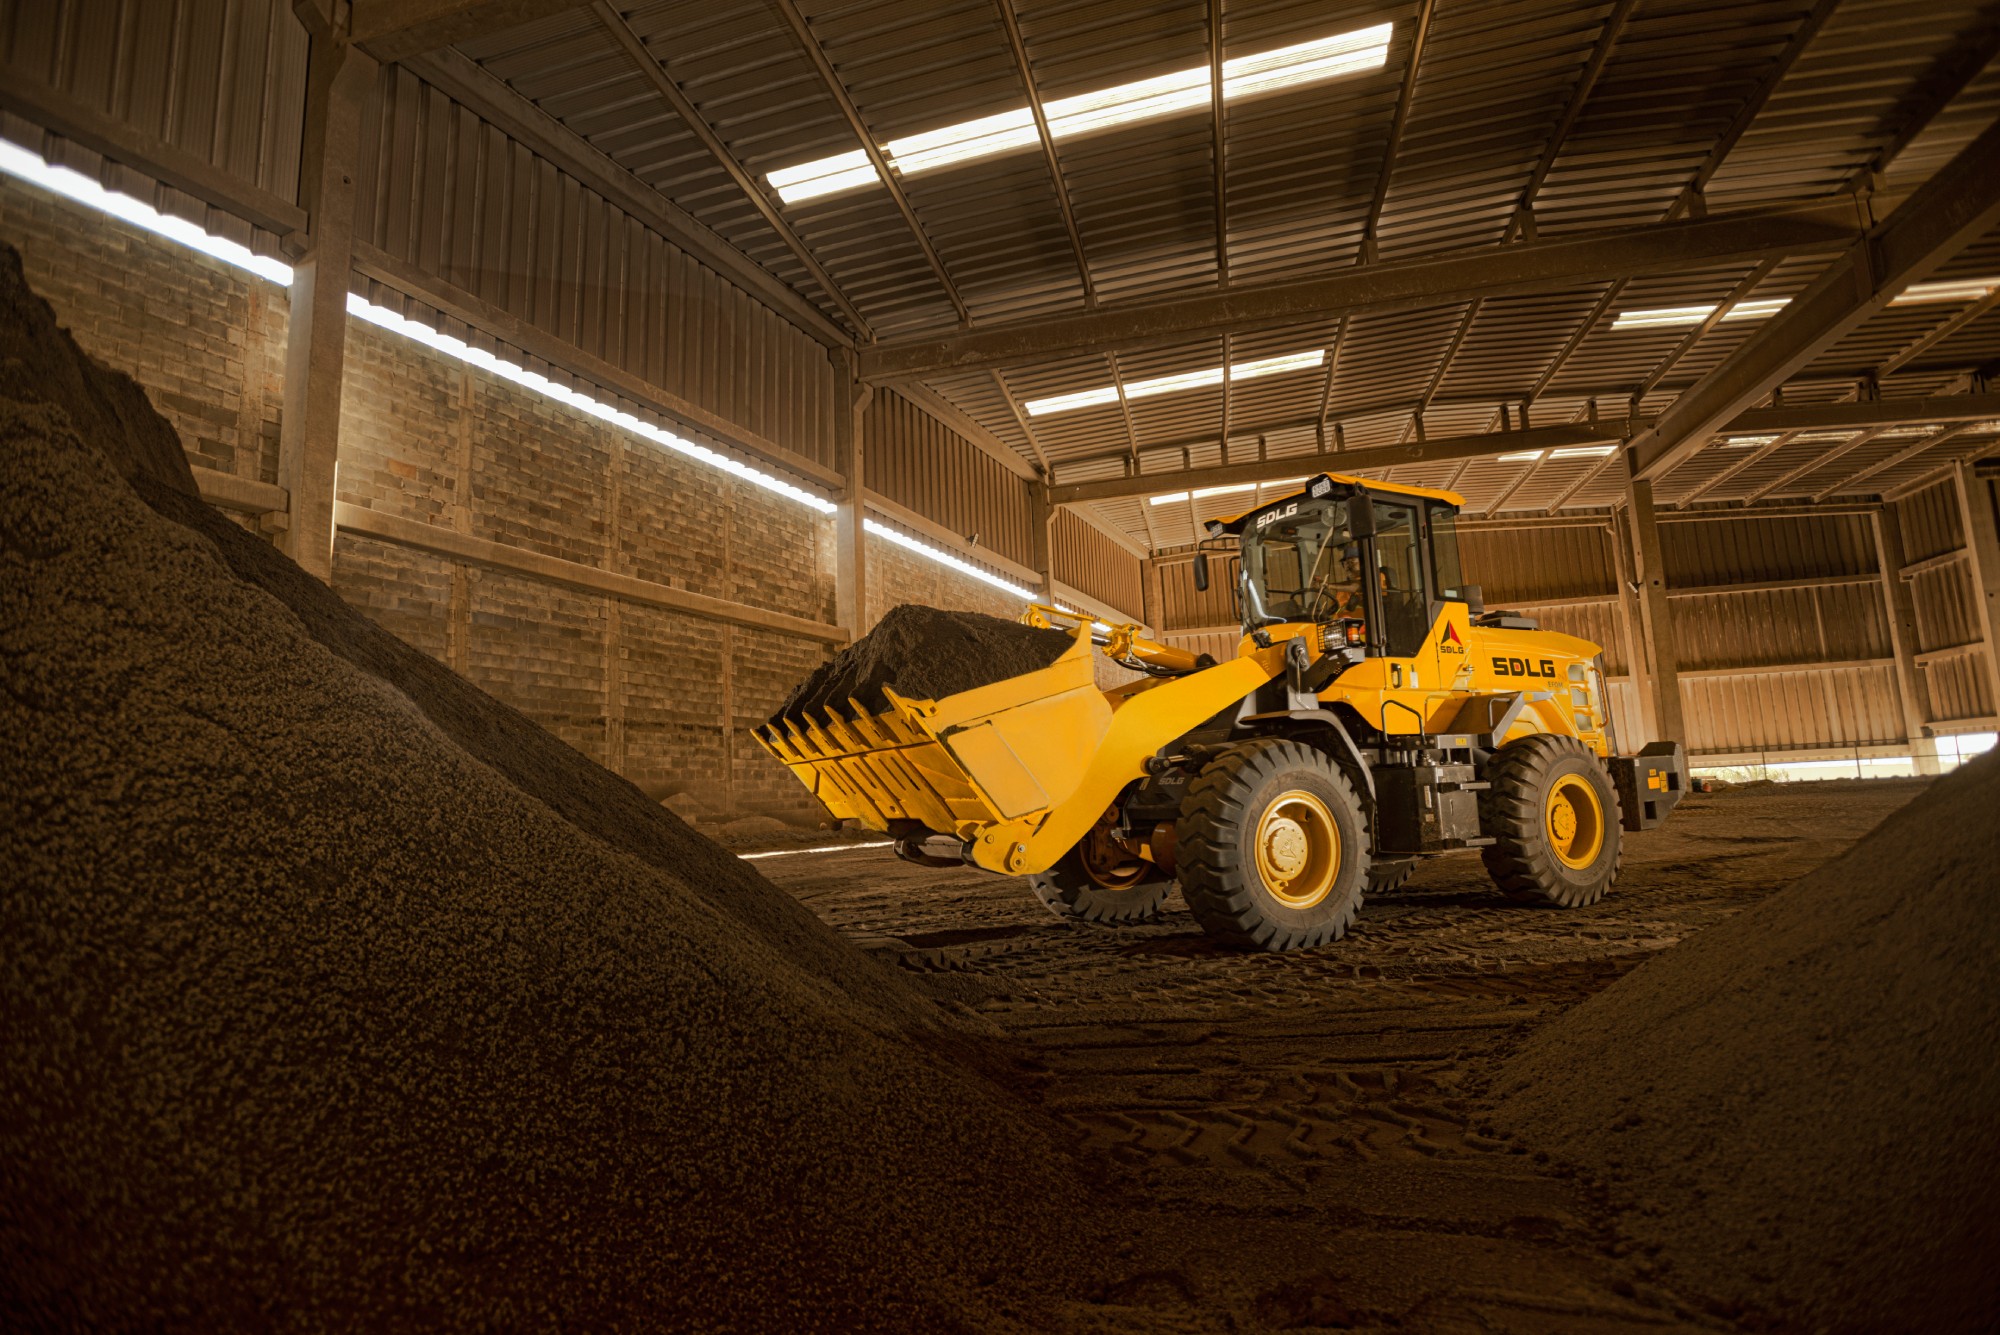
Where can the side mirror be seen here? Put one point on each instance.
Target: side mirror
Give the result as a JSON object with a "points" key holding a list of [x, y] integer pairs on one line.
{"points": [[1201, 571], [1475, 599], [1361, 516]]}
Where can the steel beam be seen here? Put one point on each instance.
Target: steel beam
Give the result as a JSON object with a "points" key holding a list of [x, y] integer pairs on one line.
{"points": [[1876, 413], [397, 29], [670, 92], [1979, 513], [1340, 461], [1900, 606], [1012, 23], [1955, 207], [1551, 264], [891, 182]]}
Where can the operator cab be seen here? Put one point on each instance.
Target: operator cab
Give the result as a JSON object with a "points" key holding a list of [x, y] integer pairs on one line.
{"points": [[1371, 563]]}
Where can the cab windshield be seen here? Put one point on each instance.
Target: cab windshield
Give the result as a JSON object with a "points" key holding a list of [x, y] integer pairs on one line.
{"points": [[1303, 566]]}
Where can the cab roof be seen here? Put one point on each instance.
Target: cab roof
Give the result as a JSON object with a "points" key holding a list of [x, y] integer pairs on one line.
{"points": [[1235, 523]]}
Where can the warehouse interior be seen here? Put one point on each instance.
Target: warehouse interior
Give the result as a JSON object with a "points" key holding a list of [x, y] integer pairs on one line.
{"points": [[441, 434]]}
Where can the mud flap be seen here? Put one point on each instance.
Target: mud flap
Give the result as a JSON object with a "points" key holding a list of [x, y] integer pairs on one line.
{"points": [[1650, 785]]}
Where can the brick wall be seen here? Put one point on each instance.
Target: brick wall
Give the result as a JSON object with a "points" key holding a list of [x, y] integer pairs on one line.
{"points": [[665, 698]]}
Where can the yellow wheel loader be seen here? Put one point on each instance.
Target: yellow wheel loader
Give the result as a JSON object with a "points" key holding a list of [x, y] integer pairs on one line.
{"points": [[1374, 714]]}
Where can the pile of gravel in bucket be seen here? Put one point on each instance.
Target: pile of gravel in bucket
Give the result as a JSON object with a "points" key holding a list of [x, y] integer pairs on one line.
{"points": [[924, 653]]}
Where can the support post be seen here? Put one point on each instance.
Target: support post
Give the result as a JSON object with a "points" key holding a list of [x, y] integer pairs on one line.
{"points": [[850, 540], [1041, 536], [1152, 596], [1976, 509], [1902, 617], [1655, 616], [1629, 621], [338, 81]]}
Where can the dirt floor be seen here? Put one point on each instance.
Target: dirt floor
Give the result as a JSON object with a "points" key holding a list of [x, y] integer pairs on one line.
{"points": [[1298, 1141]]}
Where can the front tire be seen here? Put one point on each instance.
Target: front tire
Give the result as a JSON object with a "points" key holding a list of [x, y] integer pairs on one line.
{"points": [[1271, 847], [1102, 888], [1553, 814]]}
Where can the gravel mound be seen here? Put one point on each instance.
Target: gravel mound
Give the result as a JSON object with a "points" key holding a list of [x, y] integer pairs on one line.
{"points": [[1797, 1108], [924, 653], [327, 1006]]}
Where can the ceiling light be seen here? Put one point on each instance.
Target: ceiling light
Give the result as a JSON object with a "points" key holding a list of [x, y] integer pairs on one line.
{"points": [[1146, 99], [1168, 384], [1519, 457], [1669, 317], [1203, 493], [1956, 289], [1582, 451], [1744, 442]]}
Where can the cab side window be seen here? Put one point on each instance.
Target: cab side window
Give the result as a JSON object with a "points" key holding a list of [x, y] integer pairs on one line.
{"points": [[1400, 574]]}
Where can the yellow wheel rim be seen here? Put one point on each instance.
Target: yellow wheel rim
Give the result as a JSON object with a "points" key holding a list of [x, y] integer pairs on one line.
{"points": [[1575, 821], [1298, 849]]}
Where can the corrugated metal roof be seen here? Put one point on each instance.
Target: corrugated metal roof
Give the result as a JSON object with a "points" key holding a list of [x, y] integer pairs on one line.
{"points": [[1758, 103]]}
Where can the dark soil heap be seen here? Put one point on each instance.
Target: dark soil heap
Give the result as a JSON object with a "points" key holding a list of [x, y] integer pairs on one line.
{"points": [[924, 653], [1798, 1107], [339, 995]]}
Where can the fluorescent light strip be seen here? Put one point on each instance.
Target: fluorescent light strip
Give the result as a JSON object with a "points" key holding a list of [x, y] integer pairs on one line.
{"points": [[1203, 493], [1582, 451], [1957, 289], [1518, 457], [827, 848], [384, 318], [18, 162], [1146, 99], [944, 558], [1168, 384], [1671, 317], [1745, 442]]}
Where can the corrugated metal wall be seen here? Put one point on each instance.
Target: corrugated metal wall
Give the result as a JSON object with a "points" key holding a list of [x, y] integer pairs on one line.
{"points": [[1091, 563], [221, 80], [1951, 656], [453, 195], [1184, 607], [922, 464]]}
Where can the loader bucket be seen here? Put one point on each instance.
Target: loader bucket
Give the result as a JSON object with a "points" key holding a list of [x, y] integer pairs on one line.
{"points": [[1006, 750]]}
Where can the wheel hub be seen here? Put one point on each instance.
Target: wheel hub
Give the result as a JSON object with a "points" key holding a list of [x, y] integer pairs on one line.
{"points": [[1575, 821], [1297, 849], [1285, 845]]}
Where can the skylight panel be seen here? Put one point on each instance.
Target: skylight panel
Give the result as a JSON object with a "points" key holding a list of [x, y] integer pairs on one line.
{"points": [[1203, 493], [1955, 289], [1168, 384], [1519, 457], [1669, 317], [1123, 104], [1744, 442]]}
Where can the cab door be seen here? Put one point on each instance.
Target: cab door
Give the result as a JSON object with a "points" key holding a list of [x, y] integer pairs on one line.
{"points": [[1405, 600]]}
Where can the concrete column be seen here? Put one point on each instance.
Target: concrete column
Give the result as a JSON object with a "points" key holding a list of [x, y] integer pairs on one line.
{"points": [[1976, 505], [339, 80], [1902, 618], [850, 537], [1655, 619], [1042, 522]]}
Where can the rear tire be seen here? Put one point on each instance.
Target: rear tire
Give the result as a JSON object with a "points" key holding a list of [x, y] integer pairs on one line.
{"points": [[1271, 847], [1069, 891], [1553, 814]]}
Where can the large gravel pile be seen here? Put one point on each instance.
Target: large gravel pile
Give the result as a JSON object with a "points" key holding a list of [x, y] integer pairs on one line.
{"points": [[924, 653], [339, 995], [1799, 1107]]}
